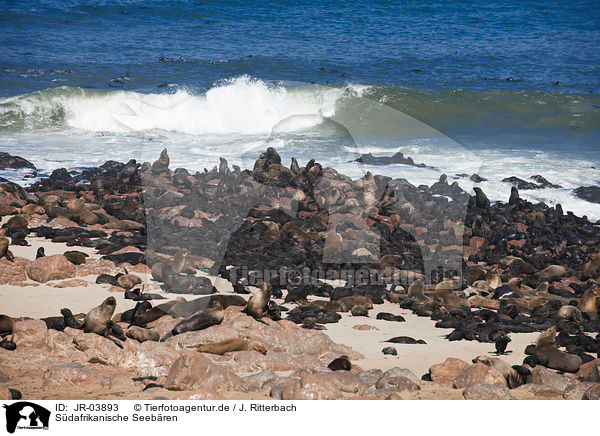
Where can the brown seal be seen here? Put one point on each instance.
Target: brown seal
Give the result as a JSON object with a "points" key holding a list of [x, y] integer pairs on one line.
{"points": [[512, 377], [569, 313], [7, 322], [141, 334], [232, 345], [161, 165], [327, 306], [415, 291], [96, 321], [587, 303], [349, 302], [591, 269], [75, 257], [4, 243], [258, 302], [200, 320], [557, 359], [443, 292], [342, 363]]}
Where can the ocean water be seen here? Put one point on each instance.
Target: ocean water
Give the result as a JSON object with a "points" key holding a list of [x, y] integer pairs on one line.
{"points": [[495, 88]]}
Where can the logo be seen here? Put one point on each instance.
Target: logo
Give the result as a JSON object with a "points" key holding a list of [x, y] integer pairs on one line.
{"points": [[26, 415]]}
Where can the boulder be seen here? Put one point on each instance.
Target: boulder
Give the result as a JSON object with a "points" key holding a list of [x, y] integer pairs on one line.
{"points": [[55, 267], [479, 373], [481, 391], [194, 371], [543, 376], [71, 374], [312, 387], [30, 333], [15, 162], [398, 379], [444, 373], [13, 273]]}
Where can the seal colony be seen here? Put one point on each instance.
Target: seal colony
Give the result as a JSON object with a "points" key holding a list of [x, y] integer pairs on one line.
{"points": [[486, 271]]}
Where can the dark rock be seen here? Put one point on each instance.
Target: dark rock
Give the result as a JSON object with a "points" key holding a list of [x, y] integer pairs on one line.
{"points": [[588, 193], [9, 161]]}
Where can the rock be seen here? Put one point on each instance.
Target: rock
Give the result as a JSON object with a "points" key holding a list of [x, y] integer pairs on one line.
{"points": [[479, 373], [348, 382], [589, 371], [445, 373], [193, 371], [55, 267], [536, 392], [588, 193], [543, 376], [364, 327], [382, 394], [5, 393], [71, 283], [98, 349], [398, 379], [261, 380], [210, 335], [285, 336], [30, 333], [592, 393], [13, 273], [201, 394], [577, 390], [71, 374], [397, 158], [312, 387], [149, 358], [15, 162], [481, 391]]}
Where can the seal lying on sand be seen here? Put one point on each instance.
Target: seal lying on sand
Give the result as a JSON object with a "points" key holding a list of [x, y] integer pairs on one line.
{"points": [[557, 359], [232, 345]]}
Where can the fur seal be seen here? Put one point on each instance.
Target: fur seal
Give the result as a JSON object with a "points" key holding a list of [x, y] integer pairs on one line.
{"points": [[128, 281], [514, 196], [40, 253], [443, 293], [212, 315], [591, 269], [588, 300], [75, 257], [557, 359], [415, 291], [4, 243], [351, 301], [161, 165], [327, 306], [258, 302], [69, 319], [8, 344], [6, 323], [232, 345], [342, 363], [96, 321], [405, 340], [142, 335], [512, 376], [481, 200]]}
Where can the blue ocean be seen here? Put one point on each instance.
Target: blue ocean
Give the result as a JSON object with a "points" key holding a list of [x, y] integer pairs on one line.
{"points": [[499, 89]]}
